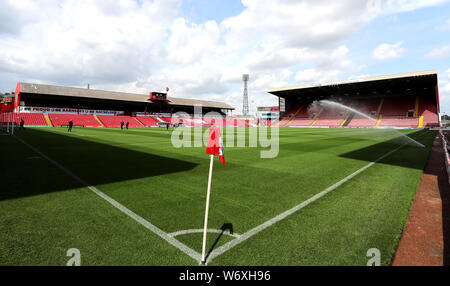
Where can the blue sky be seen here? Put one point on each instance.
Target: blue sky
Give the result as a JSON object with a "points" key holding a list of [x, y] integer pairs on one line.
{"points": [[417, 30], [200, 11], [200, 48]]}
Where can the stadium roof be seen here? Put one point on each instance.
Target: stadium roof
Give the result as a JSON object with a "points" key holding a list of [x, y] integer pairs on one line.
{"points": [[368, 81], [44, 89]]}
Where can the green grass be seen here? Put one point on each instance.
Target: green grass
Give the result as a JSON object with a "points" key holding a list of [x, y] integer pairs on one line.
{"points": [[44, 211]]}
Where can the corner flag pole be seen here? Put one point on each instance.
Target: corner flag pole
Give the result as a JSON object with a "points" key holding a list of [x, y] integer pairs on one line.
{"points": [[205, 227]]}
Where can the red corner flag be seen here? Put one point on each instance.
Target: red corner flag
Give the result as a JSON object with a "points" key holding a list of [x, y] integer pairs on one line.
{"points": [[215, 144], [214, 147]]}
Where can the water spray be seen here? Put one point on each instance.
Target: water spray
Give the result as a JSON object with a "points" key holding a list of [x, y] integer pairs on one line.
{"points": [[336, 104]]}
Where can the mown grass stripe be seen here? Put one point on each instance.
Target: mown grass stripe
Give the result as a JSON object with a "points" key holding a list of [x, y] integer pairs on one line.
{"points": [[224, 248], [176, 243]]}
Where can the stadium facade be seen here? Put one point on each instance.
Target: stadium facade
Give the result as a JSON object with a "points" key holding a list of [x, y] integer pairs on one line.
{"points": [[408, 100]]}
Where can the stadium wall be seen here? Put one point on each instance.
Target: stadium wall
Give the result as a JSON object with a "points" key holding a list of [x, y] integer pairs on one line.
{"points": [[447, 157]]}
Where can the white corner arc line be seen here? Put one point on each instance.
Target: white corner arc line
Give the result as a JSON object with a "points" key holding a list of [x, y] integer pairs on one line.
{"points": [[227, 246], [189, 231], [171, 240]]}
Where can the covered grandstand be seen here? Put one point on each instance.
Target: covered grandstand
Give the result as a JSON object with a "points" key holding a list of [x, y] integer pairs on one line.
{"points": [[50, 105], [408, 100]]}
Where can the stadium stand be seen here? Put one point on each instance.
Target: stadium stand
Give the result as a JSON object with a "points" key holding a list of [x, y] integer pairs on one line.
{"points": [[427, 109], [397, 106], [300, 122], [148, 121], [115, 120], [165, 119], [370, 106], [407, 100], [36, 119], [393, 113], [85, 120], [360, 121], [331, 117], [412, 122]]}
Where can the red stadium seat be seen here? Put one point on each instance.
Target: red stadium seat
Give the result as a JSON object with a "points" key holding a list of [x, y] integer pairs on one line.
{"points": [[115, 120], [85, 120], [36, 119], [148, 121]]}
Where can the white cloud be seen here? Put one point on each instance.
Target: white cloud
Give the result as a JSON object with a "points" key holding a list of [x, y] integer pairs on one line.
{"points": [[398, 6], [308, 75], [444, 84], [80, 41], [331, 65], [190, 42], [439, 53], [145, 45], [388, 51], [444, 91]]}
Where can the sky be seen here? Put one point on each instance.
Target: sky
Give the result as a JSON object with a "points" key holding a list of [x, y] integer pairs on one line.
{"points": [[201, 48]]}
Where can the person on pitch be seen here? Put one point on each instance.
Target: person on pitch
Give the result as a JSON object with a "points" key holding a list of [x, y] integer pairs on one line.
{"points": [[70, 126]]}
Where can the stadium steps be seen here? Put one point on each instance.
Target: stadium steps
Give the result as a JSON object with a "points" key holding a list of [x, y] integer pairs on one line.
{"points": [[350, 114], [380, 106], [379, 117], [295, 114], [149, 121], [135, 118], [99, 121], [420, 122], [317, 117], [49, 122], [347, 120]]}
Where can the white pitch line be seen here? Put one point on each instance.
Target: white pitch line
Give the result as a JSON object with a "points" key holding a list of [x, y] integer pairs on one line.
{"points": [[192, 253], [227, 246], [189, 231]]}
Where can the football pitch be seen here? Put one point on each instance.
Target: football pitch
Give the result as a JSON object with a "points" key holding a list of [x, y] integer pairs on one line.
{"points": [[129, 197]]}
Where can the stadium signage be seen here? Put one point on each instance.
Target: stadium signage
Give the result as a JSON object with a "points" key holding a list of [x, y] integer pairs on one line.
{"points": [[270, 108], [32, 109]]}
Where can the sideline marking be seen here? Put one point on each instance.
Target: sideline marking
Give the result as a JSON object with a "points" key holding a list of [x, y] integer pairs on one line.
{"points": [[189, 251], [227, 246]]}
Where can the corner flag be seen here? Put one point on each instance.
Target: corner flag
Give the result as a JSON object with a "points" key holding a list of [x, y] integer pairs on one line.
{"points": [[215, 144], [213, 147]]}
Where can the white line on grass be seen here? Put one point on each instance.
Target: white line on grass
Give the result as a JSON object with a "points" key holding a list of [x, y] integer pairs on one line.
{"points": [[192, 253], [222, 249], [189, 231], [240, 238]]}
